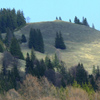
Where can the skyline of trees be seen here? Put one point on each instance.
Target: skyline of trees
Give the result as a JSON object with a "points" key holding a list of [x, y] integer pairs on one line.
{"points": [[11, 19]]}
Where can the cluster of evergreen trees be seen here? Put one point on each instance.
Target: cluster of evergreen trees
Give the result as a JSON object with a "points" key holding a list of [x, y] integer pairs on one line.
{"points": [[9, 79], [59, 18], [36, 40], [11, 44], [59, 42], [10, 19], [51, 68], [84, 22], [54, 70]]}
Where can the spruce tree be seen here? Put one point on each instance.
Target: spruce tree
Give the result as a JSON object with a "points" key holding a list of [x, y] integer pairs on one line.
{"points": [[36, 40], [1, 37], [8, 37], [29, 65], [61, 45], [23, 39], [15, 49], [1, 46], [59, 42], [40, 42], [56, 18], [81, 74]]}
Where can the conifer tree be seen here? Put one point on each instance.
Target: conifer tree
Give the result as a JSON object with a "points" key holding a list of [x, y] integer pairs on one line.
{"points": [[60, 18], [81, 74], [1, 37], [23, 38], [75, 20], [40, 42], [59, 42], [1, 46], [85, 22], [20, 18], [15, 49], [70, 20], [93, 26], [36, 40], [28, 66], [8, 37], [56, 18], [61, 45]]}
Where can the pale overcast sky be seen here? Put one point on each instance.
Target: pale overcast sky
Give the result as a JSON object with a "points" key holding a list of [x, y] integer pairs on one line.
{"points": [[47, 10]]}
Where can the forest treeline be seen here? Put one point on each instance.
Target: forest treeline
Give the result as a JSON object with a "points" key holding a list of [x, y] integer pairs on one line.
{"points": [[11, 19], [54, 70]]}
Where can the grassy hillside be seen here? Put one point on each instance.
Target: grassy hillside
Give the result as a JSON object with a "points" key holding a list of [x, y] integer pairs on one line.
{"points": [[83, 43]]}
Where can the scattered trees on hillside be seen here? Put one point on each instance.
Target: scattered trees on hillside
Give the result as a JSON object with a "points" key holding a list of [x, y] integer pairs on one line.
{"points": [[59, 42], [10, 19], [36, 40], [84, 21]]}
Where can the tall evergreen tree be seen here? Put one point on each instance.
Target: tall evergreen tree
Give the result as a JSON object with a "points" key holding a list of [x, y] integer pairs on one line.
{"points": [[29, 65], [20, 18], [36, 40], [8, 37], [1, 37], [56, 18], [59, 42], [93, 26], [60, 18], [15, 49], [85, 22], [1, 46], [81, 74], [40, 42], [23, 39]]}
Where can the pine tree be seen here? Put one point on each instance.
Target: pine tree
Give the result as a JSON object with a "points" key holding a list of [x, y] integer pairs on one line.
{"points": [[15, 77], [20, 18], [15, 49], [59, 42], [23, 38], [1, 46], [75, 20], [8, 38], [33, 57], [81, 74], [70, 20], [56, 18], [61, 45], [40, 42], [93, 26], [1, 37], [60, 18], [36, 40], [85, 22], [28, 65]]}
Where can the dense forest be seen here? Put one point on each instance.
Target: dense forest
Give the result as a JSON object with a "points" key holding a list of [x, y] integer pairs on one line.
{"points": [[11, 19], [42, 78]]}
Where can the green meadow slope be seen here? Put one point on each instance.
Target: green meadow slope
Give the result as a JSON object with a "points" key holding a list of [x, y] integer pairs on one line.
{"points": [[83, 43]]}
